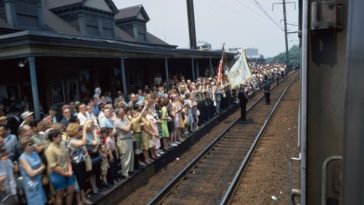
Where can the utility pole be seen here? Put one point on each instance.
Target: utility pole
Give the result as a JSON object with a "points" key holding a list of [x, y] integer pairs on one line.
{"points": [[191, 24], [285, 26], [285, 31]]}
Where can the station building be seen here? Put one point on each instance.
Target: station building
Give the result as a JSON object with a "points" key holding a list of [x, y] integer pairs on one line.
{"points": [[54, 51]]}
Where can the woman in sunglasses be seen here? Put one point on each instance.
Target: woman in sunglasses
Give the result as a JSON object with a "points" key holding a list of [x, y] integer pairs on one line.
{"points": [[31, 168]]}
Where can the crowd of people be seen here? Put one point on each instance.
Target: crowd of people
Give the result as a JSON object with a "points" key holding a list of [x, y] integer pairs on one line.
{"points": [[82, 148], [258, 71]]}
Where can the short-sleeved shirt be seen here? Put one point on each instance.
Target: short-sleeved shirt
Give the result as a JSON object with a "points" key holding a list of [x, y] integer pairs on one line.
{"points": [[64, 121], [82, 118], [90, 138], [106, 122], [188, 102], [96, 110], [6, 169], [77, 154], [136, 127], [153, 122], [10, 144], [39, 138], [110, 144], [119, 123], [147, 123], [57, 155], [100, 116], [164, 112]]}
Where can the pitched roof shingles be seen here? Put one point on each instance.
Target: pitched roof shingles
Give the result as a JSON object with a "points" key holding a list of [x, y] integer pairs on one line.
{"points": [[59, 25], [131, 13], [52, 4]]}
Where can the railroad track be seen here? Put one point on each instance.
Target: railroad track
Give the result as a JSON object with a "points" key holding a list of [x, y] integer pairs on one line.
{"points": [[211, 177]]}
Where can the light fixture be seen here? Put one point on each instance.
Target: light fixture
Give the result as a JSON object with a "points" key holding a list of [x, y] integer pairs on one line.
{"points": [[22, 63]]}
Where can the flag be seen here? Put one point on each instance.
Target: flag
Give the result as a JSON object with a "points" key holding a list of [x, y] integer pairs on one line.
{"points": [[239, 72], [219, 72]]}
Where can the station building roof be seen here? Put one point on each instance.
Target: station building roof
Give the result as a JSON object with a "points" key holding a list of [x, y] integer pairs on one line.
{"points": [[132, 13], [35, 43], [58, 37], [64, 4]]}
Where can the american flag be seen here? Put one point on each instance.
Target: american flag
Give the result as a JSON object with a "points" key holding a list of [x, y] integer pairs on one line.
{"points": [[219, 73]]}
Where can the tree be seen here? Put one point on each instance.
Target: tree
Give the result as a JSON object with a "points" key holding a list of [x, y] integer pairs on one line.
{"points": [[294, 56]]}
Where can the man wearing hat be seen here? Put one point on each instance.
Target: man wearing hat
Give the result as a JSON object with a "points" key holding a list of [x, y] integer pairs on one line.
{"points": [[27, 117]]}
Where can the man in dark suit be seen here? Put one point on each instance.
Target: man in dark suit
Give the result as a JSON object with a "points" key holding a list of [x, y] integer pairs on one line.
{"points": [[266, 89], [243, 101]]}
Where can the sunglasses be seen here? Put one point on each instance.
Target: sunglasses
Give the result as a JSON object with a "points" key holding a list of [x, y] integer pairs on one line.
{"points": [[30, 144]]}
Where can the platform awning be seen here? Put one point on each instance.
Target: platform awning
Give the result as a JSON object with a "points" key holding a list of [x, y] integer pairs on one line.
{"points": [[34, 43]]}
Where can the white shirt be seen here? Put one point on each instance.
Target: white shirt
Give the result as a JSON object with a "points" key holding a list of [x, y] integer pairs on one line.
{"points": [[83, 118]]}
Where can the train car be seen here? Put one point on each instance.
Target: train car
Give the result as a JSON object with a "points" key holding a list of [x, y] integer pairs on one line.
{"points": [[331, 136]]}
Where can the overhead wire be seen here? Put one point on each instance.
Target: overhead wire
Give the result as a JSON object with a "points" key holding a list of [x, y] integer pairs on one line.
{"points": [[243, 4], [250, 9], [224, 6], [259, 6]]}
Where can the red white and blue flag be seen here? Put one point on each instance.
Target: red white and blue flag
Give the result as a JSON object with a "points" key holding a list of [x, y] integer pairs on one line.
{"points": [[219, 72]]}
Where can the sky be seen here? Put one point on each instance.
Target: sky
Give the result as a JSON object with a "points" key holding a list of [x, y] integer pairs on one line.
{"points": [[237, 23]]}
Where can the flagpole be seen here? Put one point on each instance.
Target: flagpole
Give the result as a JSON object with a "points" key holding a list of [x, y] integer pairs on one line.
{"points": [[219, 75], [225, 63], [222, 53]]}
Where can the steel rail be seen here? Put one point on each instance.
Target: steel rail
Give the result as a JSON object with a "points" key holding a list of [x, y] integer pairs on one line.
{"points": [[164, 192], [234, 183]]}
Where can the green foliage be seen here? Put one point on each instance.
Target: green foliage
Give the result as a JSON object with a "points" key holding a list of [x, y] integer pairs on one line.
{"points": [[294, 56]]}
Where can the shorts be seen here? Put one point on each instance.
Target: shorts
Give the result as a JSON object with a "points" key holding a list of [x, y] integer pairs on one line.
{"points": [[61, 182]]}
